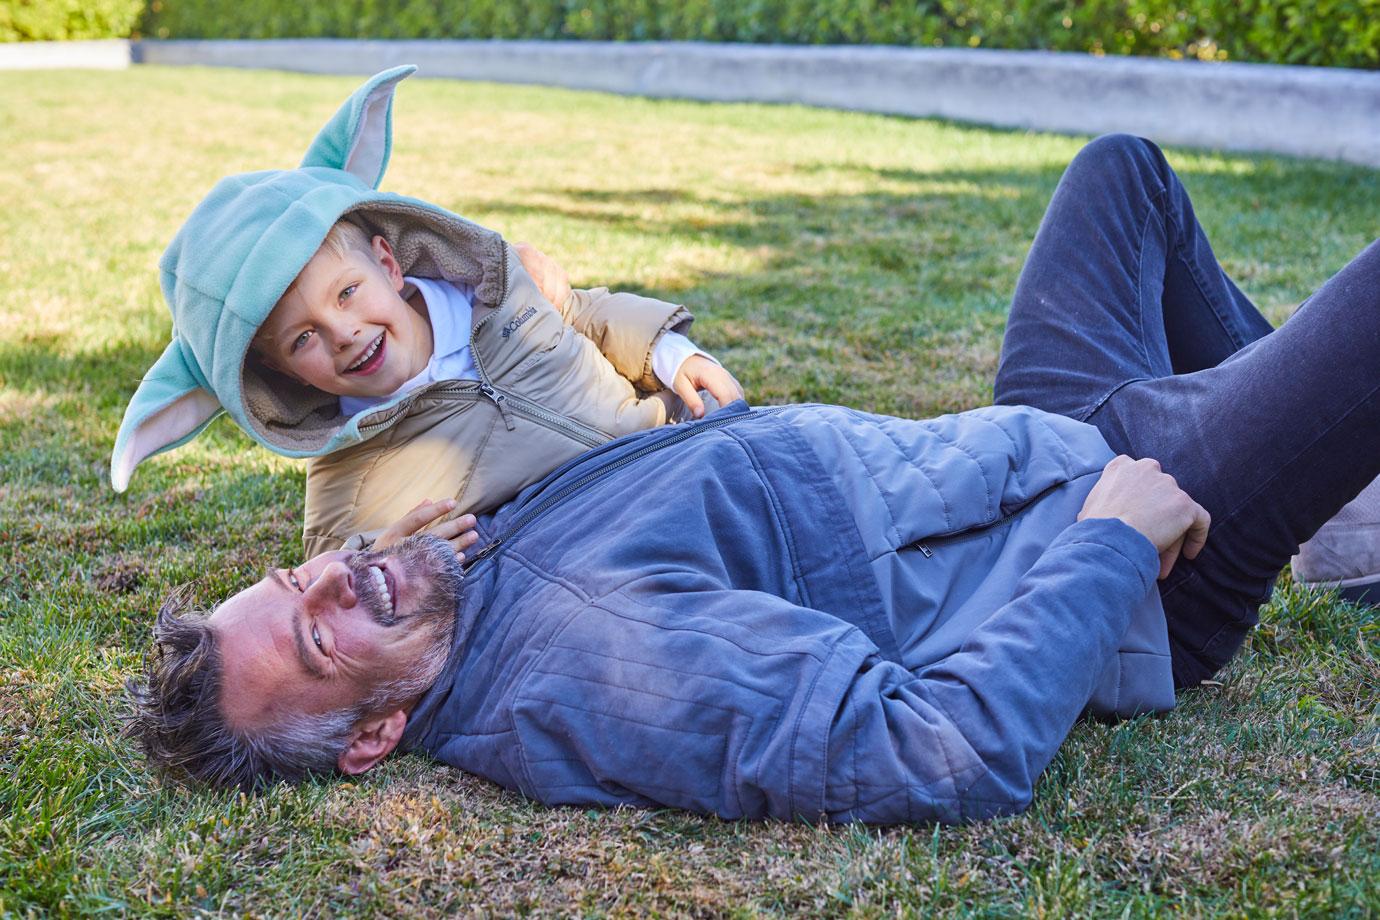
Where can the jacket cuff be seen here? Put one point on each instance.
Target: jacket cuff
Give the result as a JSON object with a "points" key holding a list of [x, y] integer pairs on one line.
{"points": [[670, 352], [1117, 535], [678, 323]]}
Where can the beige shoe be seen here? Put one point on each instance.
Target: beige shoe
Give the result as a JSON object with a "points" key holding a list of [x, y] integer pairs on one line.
{"points": [[1345, 552]]}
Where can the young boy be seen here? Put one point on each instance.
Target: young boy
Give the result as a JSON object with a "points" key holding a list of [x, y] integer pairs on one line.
{"points": [[409, 354]]}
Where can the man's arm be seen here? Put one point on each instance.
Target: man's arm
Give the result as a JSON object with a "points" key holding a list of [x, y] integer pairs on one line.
{"points": [[1005, 701], [967, 737]]}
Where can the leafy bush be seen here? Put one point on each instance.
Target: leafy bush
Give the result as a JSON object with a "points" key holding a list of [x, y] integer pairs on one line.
{"points": [[1325, 32], [57, 20]]}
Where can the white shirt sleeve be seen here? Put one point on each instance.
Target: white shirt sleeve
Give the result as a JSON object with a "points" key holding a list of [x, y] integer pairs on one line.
{"points": [[670, 353]]}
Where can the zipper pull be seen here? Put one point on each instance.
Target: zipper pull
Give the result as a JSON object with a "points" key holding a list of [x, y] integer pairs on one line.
{"points": [[924, 550], [498, 399], [488, 550]]}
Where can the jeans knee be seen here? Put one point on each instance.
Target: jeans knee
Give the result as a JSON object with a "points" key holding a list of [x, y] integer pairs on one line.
{"points": [[1119, 160]]}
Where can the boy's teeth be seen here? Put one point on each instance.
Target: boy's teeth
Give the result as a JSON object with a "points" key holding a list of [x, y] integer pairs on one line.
{"points": [[373, 347]]}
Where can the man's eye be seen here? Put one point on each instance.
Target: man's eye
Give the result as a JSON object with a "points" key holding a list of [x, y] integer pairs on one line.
{"points": [[292, 580], [301, 340], [316, 637]]}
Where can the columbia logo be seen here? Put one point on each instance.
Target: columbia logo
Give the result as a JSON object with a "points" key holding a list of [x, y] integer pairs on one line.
{"points": [[522, 318]]}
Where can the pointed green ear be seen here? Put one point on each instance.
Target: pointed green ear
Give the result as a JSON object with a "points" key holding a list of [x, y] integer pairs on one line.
{"points": [[359, 137], [168, 409]]}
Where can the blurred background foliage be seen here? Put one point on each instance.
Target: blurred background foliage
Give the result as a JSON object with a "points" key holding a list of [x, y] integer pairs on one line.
{"points": [[1341, 33], [57, 20]]}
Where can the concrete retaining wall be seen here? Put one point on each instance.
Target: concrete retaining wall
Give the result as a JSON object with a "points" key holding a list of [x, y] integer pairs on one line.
{"points": [[100, 55], [1330, 113]]}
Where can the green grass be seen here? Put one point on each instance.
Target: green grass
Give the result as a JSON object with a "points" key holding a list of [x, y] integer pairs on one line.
{"points": [[829, 256]]}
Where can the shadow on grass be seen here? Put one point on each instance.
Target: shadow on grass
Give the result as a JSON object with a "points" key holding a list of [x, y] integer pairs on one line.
{"points": [[42, 364], [888, 288]]}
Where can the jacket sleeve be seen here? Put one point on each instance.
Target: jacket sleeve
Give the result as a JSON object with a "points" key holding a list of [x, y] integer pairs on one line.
{"points": [[626, 328], [966, 737]]}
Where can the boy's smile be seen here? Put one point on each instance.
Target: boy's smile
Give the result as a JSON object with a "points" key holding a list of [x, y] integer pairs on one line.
{"points": [[342, 327], [372, 359]]}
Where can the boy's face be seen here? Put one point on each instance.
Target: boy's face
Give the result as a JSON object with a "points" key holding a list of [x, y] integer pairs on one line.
{"points": [[343, 327]]}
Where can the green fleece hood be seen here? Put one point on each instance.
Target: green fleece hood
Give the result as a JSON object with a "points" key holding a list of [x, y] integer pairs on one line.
{"points": [[239, 252]]}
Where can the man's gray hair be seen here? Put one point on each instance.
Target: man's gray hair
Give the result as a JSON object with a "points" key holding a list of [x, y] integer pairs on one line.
{"points": [[177, 719]]}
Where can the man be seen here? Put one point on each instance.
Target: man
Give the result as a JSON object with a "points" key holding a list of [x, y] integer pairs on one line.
{"points": [[808, 612]]}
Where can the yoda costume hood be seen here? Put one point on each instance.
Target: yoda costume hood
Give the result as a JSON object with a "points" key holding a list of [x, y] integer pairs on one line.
{"points": [[237, 255]]}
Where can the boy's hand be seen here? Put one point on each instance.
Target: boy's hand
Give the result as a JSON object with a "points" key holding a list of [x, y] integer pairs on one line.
{"points": [[550, 277], [699, 373], [1139, 494], [458, 532]]}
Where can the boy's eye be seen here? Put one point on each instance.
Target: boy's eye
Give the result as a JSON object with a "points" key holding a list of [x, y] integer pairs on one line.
{"points": [[348, 291], [301, 340]]}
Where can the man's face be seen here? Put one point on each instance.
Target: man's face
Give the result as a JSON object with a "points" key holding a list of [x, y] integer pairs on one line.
{"points": [[326, 635], [344, 329]]}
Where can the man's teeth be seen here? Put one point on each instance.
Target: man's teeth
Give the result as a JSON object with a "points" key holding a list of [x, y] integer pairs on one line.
{"points": [[382, 584], [373, 347]]}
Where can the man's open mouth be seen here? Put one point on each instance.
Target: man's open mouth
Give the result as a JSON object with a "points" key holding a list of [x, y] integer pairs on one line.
{"points": [[371, 359], [384, 583]]}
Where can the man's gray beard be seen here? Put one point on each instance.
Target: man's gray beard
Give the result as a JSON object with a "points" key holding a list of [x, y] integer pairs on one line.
{"points": [[434, 613]]}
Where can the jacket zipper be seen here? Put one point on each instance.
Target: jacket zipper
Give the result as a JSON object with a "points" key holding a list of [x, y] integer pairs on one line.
{"points": [[500, 400], [593, 476], [578, 431], [508, 404], [486, 385]]}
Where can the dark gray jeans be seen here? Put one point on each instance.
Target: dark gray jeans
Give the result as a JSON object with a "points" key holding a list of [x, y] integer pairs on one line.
{"points": [[1122, 318]]}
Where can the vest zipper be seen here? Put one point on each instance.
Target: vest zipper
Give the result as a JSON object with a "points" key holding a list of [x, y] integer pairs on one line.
{"points": [[576, 431], [499, 400], [508, 404], [486, 385], [593, 476], [452, 390]]}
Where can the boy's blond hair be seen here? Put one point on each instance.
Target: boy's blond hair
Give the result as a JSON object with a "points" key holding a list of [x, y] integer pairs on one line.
{"points": [[345, 235]]}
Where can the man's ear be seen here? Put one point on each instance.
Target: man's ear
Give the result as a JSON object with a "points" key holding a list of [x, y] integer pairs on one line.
{"points": [[371, 741]]}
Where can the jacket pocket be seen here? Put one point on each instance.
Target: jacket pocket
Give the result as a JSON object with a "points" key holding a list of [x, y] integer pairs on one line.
{"points": [[928, 546]]}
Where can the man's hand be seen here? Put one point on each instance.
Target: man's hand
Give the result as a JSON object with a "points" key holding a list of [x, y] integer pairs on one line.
{"points": [[699, 373], [1139, 494], [550, 277], [458, 532]]}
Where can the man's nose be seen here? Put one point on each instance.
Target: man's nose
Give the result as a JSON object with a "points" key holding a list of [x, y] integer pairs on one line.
{"points": [[334, 587]]}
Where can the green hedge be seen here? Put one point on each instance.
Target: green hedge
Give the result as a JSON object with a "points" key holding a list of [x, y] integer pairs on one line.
{"points": [[60, 20], [1344, 33]]}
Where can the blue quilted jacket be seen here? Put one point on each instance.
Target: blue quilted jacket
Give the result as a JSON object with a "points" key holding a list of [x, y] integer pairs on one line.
{"points": [[804, 612]]}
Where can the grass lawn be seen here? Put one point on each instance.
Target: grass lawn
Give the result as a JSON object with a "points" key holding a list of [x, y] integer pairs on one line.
{"points": [[829, 256]]}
